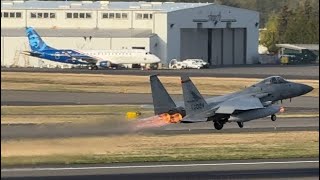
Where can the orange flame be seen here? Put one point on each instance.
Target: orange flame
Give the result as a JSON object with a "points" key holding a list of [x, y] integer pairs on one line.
{"points": [[158, 121], [175, 118]]}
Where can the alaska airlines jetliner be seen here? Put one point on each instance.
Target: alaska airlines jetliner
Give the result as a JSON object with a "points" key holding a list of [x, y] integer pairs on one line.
{"points": [[93, 58]]}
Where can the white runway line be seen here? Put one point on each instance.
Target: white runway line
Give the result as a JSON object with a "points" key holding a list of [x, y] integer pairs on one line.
{"points": [[151, 166]]}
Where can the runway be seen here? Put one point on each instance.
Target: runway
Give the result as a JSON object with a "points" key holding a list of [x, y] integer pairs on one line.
{"points": [[84, 130], [24, 98], [241, 71], [242, 169]]}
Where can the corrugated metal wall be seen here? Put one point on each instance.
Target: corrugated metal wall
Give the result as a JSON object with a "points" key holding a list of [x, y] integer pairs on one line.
{"points": [[239, 46], [216, 47], [228, 46], [194, 44]]}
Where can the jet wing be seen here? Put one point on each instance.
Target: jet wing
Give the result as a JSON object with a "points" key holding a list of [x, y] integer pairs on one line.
{"points": [[246, 102], [239, 103], [86, 60], [83, 58]]}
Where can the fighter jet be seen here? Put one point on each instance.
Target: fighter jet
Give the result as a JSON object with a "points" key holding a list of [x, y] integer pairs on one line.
{"points": [[254, 102]]}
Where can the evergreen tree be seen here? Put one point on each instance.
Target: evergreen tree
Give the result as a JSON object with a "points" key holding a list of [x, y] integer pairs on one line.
{"points": [[284, 16], [270, 37]]}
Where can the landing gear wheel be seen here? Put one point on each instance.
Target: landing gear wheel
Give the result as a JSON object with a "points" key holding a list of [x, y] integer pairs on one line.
{"points": [[240, 124], [93, 67], [273, 117], [217, 125]]}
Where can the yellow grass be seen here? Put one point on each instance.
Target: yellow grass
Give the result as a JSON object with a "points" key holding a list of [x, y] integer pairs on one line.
{"points": [[155, 147], [124, 83], [67, 114], [312, 115]]}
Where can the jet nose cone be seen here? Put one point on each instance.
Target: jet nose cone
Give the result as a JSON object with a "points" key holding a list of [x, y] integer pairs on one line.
{"points": [[306, 89]]}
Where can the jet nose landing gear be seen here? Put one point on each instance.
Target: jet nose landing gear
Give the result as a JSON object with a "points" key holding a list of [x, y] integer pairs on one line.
{"points": [[273, 117]]}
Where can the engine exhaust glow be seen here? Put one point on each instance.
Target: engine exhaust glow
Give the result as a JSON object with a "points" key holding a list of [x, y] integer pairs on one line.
{"points": [[157, 121]]}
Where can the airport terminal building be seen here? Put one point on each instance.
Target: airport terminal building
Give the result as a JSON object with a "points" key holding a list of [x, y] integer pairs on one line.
{"points": [[221, 35]]}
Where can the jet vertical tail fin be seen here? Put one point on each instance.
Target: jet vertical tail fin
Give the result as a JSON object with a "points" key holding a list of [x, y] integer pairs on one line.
{"points": [[162, 101], [193, 100], [35, 41]]}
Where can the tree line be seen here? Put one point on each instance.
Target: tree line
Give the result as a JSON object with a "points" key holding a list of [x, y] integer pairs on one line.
{"points": [[298, 25]]}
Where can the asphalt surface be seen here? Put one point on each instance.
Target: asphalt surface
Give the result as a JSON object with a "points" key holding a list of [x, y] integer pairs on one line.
{"points": [[242, 169], [244, 71], [22, 131]]}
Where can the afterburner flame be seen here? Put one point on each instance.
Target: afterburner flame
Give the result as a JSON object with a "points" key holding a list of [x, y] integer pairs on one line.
{"points": [[175, 118], [158, 121]]}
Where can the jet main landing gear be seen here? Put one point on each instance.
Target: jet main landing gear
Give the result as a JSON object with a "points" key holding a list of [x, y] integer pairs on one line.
{"points": [[218, 125], [93, 67], [240, 124]]}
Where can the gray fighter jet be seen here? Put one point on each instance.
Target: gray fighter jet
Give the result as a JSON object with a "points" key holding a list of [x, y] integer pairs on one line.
{"points": [[251, 103]]}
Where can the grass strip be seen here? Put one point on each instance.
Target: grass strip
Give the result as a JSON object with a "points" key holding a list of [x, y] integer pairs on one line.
{"points": [[146, 148], [121, 84]]}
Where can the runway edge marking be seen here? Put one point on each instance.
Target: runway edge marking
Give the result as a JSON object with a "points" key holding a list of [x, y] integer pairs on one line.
{"points": [[151, 166]]}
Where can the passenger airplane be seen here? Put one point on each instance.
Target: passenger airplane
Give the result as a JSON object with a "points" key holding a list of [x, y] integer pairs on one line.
{"points": [[93, 58]]}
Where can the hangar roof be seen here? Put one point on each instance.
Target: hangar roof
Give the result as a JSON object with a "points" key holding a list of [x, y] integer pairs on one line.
{"points": [[102, 33], [299, 46], [100, 5]]}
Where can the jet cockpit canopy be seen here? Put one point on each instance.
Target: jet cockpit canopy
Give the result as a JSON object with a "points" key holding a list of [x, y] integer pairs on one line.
{"points": [[273, 80]]}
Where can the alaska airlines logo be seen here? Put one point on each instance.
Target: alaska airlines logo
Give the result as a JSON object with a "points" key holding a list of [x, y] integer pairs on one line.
{"points": [[35, 41], [214, 18]]}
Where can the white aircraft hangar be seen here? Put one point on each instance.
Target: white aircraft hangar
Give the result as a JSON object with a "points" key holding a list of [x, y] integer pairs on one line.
{"points": [[221, 35]]}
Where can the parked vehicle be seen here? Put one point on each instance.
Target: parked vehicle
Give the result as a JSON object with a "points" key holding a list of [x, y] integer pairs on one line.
{"points": [[175, 64], [191, 64]]}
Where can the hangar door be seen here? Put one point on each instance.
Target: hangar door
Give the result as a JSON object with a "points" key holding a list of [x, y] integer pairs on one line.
{"points": [[194, 43], [228, 46]]}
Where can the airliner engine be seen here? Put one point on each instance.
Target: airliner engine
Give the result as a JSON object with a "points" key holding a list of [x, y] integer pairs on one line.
{"points": [[104, 64], [255, 114]]}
